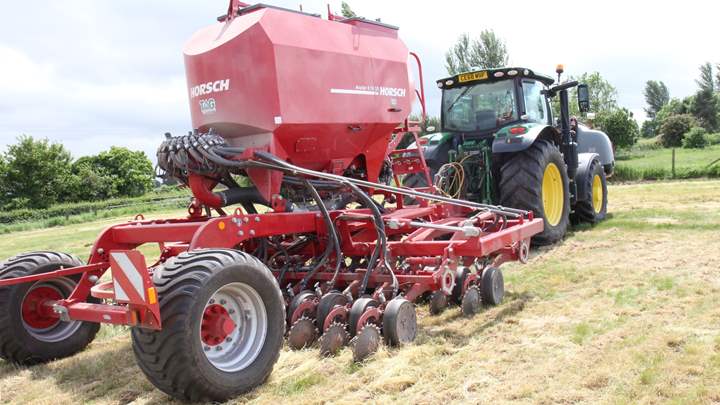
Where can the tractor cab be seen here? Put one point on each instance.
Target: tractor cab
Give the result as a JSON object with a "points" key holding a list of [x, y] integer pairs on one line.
{"points": [[478, 104]]}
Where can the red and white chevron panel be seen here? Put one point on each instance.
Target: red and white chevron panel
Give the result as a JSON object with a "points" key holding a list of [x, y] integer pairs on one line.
{"points": [[131, 280]]}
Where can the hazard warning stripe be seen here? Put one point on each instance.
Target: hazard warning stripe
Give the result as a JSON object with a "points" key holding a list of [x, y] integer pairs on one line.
{"points": [[128, 283]]}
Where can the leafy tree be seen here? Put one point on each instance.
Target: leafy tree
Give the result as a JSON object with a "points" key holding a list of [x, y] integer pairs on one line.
{"points": [[346, 11], [603, 95], [674, 128], [656, 96], [705, 108], [131, 171], [674, 107], [695, 138], [3, 173], [34, 173], [649, 128], [620, 126], [490, 51], [458, 58], [486, 52], [706, 104], [88, 181], [706, 81]]}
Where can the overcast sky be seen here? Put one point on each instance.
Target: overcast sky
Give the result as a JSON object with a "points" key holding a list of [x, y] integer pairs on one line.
{"points": [[96, 73]]}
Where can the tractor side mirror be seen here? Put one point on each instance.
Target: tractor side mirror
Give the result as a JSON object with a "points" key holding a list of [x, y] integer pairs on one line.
{"points": [[583, 95]]}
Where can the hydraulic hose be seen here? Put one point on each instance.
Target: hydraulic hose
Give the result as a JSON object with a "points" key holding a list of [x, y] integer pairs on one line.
{"points": [[334, 242]]}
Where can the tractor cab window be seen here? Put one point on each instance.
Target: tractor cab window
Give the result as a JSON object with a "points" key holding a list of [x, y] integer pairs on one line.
{"points": [[535, 103], [480, 107]]}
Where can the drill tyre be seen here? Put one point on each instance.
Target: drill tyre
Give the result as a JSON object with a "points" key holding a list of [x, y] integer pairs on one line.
{"points": [[178, 359], [24, 344]]}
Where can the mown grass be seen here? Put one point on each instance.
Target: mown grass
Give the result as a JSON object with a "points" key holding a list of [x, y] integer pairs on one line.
{"points": [[622, 312]]}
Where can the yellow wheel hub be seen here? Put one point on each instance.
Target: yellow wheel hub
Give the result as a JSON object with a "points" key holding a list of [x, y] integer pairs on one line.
{"points": [[597, 194], [553, 195]]}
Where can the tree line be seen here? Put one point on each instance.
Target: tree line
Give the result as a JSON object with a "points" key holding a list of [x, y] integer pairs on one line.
{"points": [[35, 173], [684, 122]]}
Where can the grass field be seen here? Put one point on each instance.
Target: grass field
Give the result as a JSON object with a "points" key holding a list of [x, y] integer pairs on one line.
{"points": [[644, 163], [624, 312]]}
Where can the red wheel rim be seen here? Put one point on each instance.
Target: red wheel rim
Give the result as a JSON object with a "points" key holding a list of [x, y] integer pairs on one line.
{"points": [[216, 325], [36, 311]]}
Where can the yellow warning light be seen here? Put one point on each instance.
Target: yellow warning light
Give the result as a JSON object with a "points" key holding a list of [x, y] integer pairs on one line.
{"points": [[559, 69], [221, 226], [152, 296]]}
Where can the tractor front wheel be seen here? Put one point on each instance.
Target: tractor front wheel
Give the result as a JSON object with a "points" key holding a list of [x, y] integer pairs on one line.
{"points": [[30, 333], [592, 207], [536, 180], [223, 321]]}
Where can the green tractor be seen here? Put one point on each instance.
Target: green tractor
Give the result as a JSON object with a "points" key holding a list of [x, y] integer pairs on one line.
{"points": [[500, 144]]}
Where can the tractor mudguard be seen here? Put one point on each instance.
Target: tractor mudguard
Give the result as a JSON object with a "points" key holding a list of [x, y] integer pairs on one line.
{"points": [[506, 142], [594, 141], [437, 149], [584, 160]]}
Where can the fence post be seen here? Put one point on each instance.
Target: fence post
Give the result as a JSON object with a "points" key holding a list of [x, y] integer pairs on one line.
{"points": [[673, 163]]}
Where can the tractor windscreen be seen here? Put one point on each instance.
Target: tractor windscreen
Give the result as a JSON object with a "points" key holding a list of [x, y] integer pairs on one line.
{"points": [[479, 107]]}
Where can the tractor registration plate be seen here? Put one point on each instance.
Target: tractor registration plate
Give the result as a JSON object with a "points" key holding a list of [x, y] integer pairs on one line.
{"points": [[467, 77]]}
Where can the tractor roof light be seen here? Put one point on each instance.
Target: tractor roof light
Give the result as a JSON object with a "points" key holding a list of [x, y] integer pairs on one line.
{"points": [[499, 74], [449, 82], [512, 72], [559, 69]]}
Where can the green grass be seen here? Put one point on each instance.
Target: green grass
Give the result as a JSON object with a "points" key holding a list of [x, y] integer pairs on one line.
{"points": [[75, 238], [83, 212], [647, 162]]}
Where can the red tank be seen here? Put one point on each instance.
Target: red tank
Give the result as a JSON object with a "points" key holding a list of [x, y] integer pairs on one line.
{"points": [[316, 92]]}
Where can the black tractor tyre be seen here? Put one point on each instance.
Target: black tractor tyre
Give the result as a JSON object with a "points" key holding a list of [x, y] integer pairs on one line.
{"points": [[176, 359], [19, 342], [415, 180], [521, 186], [592, 207]]}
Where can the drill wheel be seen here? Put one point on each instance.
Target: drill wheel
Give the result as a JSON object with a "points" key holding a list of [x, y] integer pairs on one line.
{"points": [[399, 322]]}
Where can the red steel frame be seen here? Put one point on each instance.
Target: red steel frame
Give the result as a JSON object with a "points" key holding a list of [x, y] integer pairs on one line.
{"points": [[428, 259]]}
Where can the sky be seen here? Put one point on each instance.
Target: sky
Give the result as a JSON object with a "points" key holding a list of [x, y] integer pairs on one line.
{"points": [[96, 73]]}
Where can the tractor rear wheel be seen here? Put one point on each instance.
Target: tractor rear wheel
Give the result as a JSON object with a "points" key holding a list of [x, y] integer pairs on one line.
{"points": [[592, 207], [415, 180], [223, 321], [536, 180], [29, 332]]}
